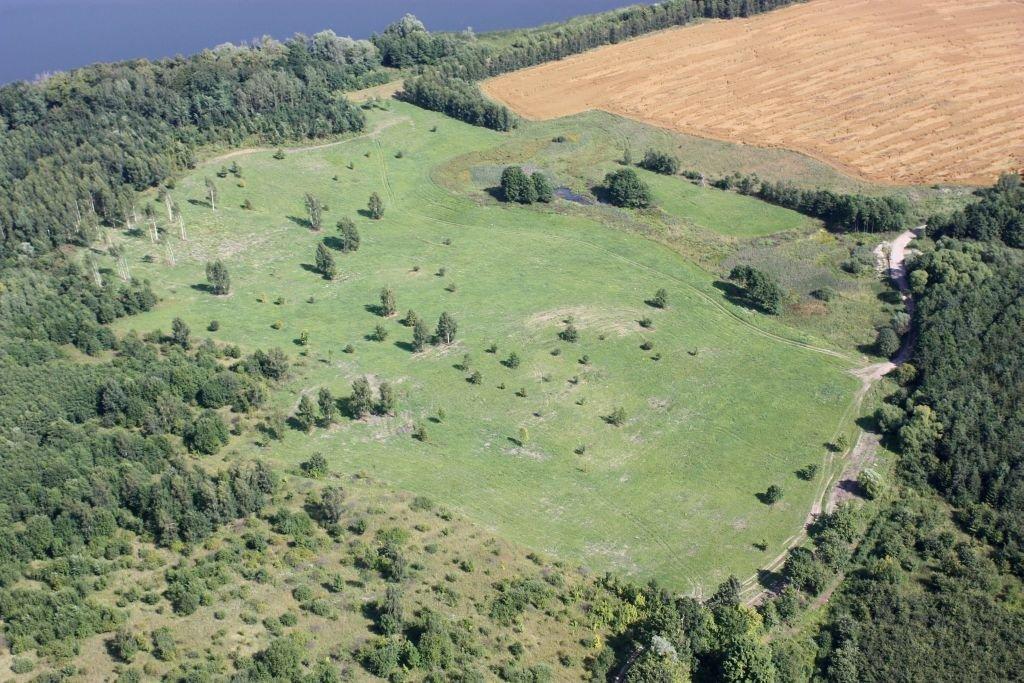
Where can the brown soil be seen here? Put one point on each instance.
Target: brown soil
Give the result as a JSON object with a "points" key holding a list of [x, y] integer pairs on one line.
{"points": [[899, 91]]}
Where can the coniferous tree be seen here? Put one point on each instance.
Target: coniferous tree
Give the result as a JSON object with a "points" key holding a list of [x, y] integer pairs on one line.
{"points": [[325, 264], [328, 406], [411, 318], [305, 415], [375, 207], [388, 305], [388, 402], [446, 328], [420, 335], [660, 299], [315, 211], [361, 401], [348, 235]]}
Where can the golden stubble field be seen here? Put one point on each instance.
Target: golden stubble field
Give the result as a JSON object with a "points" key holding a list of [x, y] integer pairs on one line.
{"points": [[894, 91]]}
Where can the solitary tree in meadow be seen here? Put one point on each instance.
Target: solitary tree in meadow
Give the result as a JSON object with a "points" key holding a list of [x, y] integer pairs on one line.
{"points": [[446, 328], [361, 401], [325, 262], [773, 494], [376, 207], [315, 210], [327, 405], [570, 333], [627, 190], [305, 415], [348, 235], [411, 318], [420, 335], [218, 277], [211, 193], [388, 305], [387, 404]]}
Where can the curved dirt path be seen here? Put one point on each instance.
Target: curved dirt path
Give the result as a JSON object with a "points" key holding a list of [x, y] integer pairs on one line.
{"points": [[892, 258], [245, 151]]}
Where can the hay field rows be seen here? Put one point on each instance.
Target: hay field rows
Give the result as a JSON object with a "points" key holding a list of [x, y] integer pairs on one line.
{"points": [[896, 91]]}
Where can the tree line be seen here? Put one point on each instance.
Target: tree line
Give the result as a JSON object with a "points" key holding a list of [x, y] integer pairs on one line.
{"points": [[852, 212], [470, 57]]}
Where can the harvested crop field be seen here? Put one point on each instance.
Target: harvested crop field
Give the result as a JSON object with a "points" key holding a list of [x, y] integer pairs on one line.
{"points": [[896, 91]]}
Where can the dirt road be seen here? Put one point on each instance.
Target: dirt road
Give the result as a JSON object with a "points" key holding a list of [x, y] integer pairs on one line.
{"points": [[892, 257]]}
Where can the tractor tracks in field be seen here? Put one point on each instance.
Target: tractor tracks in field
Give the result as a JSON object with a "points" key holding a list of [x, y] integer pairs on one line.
{"points": [[829, 492], [637, 264]]}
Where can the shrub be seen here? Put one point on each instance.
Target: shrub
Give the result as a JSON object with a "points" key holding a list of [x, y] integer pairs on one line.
{"points": [[660, 162], [660, 299], [825, 294], [517, 187], [625, 189], [773, 494], [617, 417], [569, 334], [887, 342]]}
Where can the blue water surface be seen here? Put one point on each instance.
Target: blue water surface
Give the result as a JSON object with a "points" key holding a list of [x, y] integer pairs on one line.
{"points": [[39, 36]]}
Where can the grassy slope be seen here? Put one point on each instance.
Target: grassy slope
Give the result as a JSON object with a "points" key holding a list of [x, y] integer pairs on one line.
{"points": [[671, 494]]}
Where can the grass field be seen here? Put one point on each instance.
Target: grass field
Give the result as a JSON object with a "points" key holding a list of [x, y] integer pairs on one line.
{"points": [[734, 401], [897, 91]]}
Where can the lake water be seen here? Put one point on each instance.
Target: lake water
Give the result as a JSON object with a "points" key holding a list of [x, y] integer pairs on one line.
{"points": [[37, 36]]}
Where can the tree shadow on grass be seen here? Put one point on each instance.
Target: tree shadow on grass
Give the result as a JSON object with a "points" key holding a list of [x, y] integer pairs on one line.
{"points": [[406, 346], [496, 193], [200, 202], [335, 243], [202, 287], [890, 296], [302, 222], [769, 579], [735, 295], [309, 268]]}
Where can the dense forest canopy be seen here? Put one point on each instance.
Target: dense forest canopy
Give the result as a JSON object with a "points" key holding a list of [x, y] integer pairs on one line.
{"points": [[75, 146]]}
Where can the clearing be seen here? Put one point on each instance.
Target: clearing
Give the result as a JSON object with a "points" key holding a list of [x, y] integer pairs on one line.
{"points": [[726, 402], [898, 91]]}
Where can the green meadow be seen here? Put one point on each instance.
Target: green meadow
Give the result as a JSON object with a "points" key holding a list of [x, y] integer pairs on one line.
{"points": [[721, 404]]}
